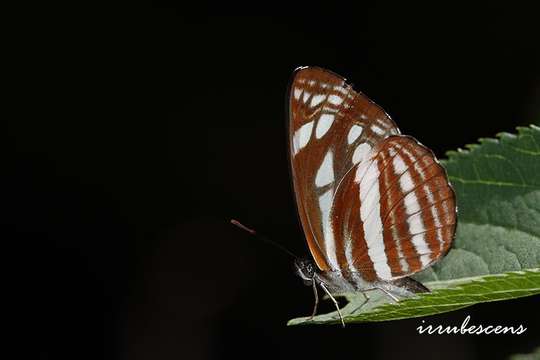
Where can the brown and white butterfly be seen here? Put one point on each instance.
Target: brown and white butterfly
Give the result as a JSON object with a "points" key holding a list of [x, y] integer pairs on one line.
{"points": [[375, 206]]}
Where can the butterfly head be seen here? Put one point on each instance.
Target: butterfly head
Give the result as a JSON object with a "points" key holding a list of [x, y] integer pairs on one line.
{"points": [[306, 269]]}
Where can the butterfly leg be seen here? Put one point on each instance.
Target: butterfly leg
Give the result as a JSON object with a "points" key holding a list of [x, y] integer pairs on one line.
{"points": [[366, 299], [388, 293], [335, 302], [316, 299]]}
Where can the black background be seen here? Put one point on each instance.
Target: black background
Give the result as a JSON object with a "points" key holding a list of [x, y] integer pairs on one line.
{"points": [[144, 130]]}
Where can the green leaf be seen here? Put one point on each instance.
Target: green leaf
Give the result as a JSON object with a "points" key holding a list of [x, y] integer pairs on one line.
{"points": [[446, 296], [497, 183], [535, 355], [498, 191]]}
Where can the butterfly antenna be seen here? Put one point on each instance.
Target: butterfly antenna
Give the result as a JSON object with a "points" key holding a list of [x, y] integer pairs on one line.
{"points": [[263, 238]]}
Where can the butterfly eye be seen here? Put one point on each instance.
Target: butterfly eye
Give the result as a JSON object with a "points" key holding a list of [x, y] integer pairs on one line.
{"points": [[305, 269], [310, 269]]}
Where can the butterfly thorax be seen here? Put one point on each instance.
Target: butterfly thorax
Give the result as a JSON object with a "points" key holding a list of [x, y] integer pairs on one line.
{"points": [[344, 281], [335, 280]]}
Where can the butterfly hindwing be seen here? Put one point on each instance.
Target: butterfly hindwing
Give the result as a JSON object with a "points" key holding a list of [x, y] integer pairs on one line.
{"points": [[394, 213]]}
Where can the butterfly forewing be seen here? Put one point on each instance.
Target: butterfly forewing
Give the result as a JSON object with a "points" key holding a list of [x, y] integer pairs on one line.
{"points": [[332, 129]]}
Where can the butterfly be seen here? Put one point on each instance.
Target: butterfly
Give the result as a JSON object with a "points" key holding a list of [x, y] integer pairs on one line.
{"points": [[376, 206]]}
